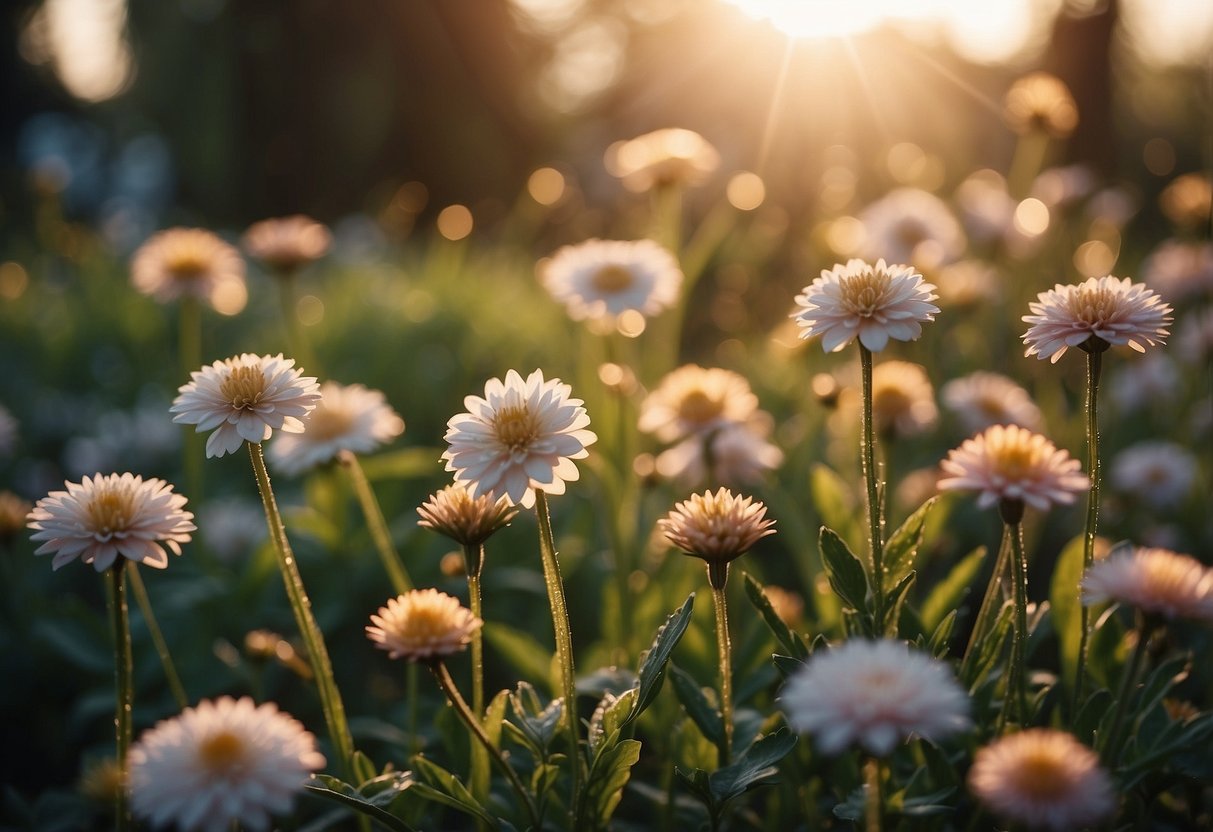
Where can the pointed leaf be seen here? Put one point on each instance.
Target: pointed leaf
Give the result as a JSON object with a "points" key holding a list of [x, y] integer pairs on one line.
{"points": [[753, 767], [702, 712], [845, 571], [1063, 596], [786, 665], [443, 787], [330, 788], [902, 546], [939, 643], [832, 498], [945, 598], [652, 669], [893, 603], [608, 776], [788, 640]]}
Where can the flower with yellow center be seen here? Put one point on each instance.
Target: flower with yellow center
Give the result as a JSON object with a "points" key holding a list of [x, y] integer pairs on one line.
{"points": [[222, 763], [191, 262], [1096, 314], [1043, 779], [104, 517], [468, 520], [870, 302], [1040, 102], [662, 158], [244, 399], [602, 279], [423, 625], [1010, 464], [522, 435], [717, 527], [287, 244], [903, 400], [347, 418], [693, 401], [910, 225], [1155, 581], [981, 399]]}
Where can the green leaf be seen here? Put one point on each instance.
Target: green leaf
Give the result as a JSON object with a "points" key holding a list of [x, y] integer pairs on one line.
{"points": [[753, 768], [987, 651], [845, 571], [364, 769], [443, 787], [832, 498], [608, 776], [939, 643], [610, 717], [702, 712], [902, 546], [531, 659], [1063, 598], [652, 669], [330, 788], [1094, 709], [407, 463], [788, 640], [894, 602], [945, 598], [537, 724]]}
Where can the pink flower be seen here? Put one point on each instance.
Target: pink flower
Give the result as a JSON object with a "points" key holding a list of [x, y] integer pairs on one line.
{"points": [[1007, 462], [1155, 581], [1110, 310]]}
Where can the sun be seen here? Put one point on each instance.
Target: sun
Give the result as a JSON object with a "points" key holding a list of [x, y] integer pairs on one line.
{"points": [[816, 18]]}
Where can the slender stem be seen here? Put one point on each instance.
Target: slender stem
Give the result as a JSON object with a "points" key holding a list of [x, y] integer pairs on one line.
{"points": [[189, 353], [1015, 701], [295, 338], [1124, 694], [725, 650], [124, 682], [1029, 157], [322, 668], [1094, 365], [410, 690], [872, 809], [473, 556], [564, 636], [870, 476], [375, 523], [991, 604], [473, 723], [149, 618]]}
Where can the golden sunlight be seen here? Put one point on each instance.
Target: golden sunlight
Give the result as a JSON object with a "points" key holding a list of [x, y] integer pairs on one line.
{"points": [[816, 18]]}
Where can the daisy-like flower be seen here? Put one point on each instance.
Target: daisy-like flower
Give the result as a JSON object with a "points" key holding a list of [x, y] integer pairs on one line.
{"points": [[347, 418], [602, 279], [287, 244], [522, 435], [981, 400], [1044, 779], [224, 762], [191, 262], [873, 303], [1007, 463], [903, 401], [1160, 474], [693, 401], [1100, 312], [1179, 269], [423, 625], [875, 694], [1155, 581], [245, 398], [1041, 102], [1188, 200], [468, 520], [671, 156], [910, 225], [717, 527], [104, 517], [740, 454]]}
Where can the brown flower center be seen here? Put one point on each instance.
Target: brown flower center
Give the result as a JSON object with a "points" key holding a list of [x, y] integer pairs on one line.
{"points": [[1042, 776], [1094, 305], [611, 279], [187, 265], [698, 408], [516, 428], [1015, 460], [243, 387], [110, 510], [221, 752], [864, 293], [326, 423]]}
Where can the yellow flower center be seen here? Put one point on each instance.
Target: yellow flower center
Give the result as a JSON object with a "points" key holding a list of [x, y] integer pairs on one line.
{"points": [[864, 293], [991, 406], [328, 423], [187, 265], [110, 510], [221, 752], [1014, 460], [611, 279], [698, 408], [243, 387], [1094, 305], [890, 402], [1042, 776], [516, 428]]}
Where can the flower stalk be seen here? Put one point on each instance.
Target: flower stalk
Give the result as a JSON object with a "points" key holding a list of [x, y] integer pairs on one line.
{"points": [[375, 523], [1015, 701], [149, 618], [870, 477], [872, 771], [1094, 365], [991, 604], [124, 683], [473, 558], [717, 577]]}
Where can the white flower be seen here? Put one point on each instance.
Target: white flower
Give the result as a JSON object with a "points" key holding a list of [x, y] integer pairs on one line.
{"points": [[909, 225], [981, 400], [287, 243], [740, 455], [191, 262], [1160, 474], [104, 517], [670, 156], [873, 303], [347, 418], [1155, 581], [718, 527], [1111, 310], [693, 401], [469, 520], [520, 436], [1007, 462], [223, 763], [1044, 779], [423, 624], [602, 279], [875, 694], [245, 398]]}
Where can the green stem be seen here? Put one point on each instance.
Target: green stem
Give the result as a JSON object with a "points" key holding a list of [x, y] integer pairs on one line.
{"points": [[149, 618], [313, 639], [991, 605], [872, 806], [1015, 701], [375, 523], [564, 636], [1124, 694], [1030, 151], [189, 334], [410, 690], [124, 683], [725, 651], [473, 556], [1094, 365], [868, 457], [473, 723]]}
